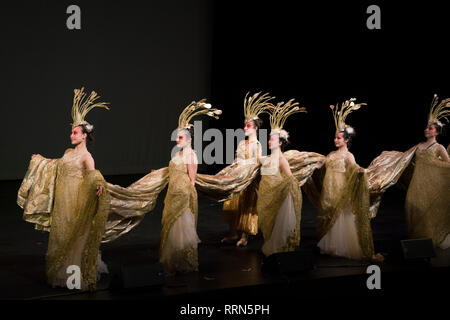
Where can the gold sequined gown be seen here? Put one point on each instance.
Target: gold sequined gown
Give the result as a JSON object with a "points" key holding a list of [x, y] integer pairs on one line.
{"points": [[343, 219], [279, 208], [59, 196], [240, 211], [427, 204], [179, 239]]}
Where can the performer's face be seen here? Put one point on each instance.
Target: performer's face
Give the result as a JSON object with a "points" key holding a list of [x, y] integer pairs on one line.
{"points": [[249, 128], [430, 131], [77, 136], [339, 140], [183, 139], [274, 142]]}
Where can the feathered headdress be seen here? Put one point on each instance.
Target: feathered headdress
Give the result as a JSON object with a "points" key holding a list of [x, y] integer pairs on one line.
{"points": [[439, 111], [280, 113], [255, 105], [340, 114], [194, 109], [82, 105]]}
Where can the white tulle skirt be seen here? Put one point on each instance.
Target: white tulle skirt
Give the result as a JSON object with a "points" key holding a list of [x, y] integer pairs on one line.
{"points": [[101, 266], [180, 249], [342, 239], [283, 228], [446, 243]]}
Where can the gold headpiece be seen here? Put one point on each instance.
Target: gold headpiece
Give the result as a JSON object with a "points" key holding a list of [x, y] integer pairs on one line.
{"points": [[195, 109], [255, 105], [439, 111], [280, 113], [347, 107], [81, 106]]}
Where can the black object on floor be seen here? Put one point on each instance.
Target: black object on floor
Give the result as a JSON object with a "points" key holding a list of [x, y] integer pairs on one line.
{"points": [[288, 263], [138, 276], [417, 249]]}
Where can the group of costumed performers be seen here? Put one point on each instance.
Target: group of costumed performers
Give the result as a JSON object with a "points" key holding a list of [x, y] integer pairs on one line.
{"points": [[71, 200]]}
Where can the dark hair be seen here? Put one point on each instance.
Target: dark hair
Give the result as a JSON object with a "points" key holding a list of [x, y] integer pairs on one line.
{"points": [[284, 143], [439, 128], [189, 132], [348, 136], [90, 135], [257, 123]]}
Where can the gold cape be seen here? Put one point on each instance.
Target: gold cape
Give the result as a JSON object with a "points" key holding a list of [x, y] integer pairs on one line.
{"points": [[238, 183], [236, 177], [129, 205], [59, 197], [389, 168]]}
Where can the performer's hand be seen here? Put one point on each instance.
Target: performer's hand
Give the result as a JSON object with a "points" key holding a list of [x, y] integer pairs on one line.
{"points": [[99, 190]]}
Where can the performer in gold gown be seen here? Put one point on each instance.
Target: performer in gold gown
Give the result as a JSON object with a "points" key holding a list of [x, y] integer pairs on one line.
{"points": [[427, 204], [424, 170], [279, 197], [240, 212], [179, 240], [68, 198], [343, 202]]}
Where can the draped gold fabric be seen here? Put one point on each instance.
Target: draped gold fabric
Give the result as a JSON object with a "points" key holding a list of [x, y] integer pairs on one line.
{"points": [[181, 197], [129, 205], [241, 178], [385, 171], [36, 193], [236, 185], [228, 182], [389, 168], [303, 164], [77, 216], [239, 175], [427, 204], [273, 190], [426, 178], [336, 188]]}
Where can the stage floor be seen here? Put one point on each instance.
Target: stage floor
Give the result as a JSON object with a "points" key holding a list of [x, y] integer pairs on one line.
{"points": [[225, 271]]}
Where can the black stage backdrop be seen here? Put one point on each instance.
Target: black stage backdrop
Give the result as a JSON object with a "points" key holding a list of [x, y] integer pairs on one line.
{"points": [[322, 53], [151, 58], [147, 58]]}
